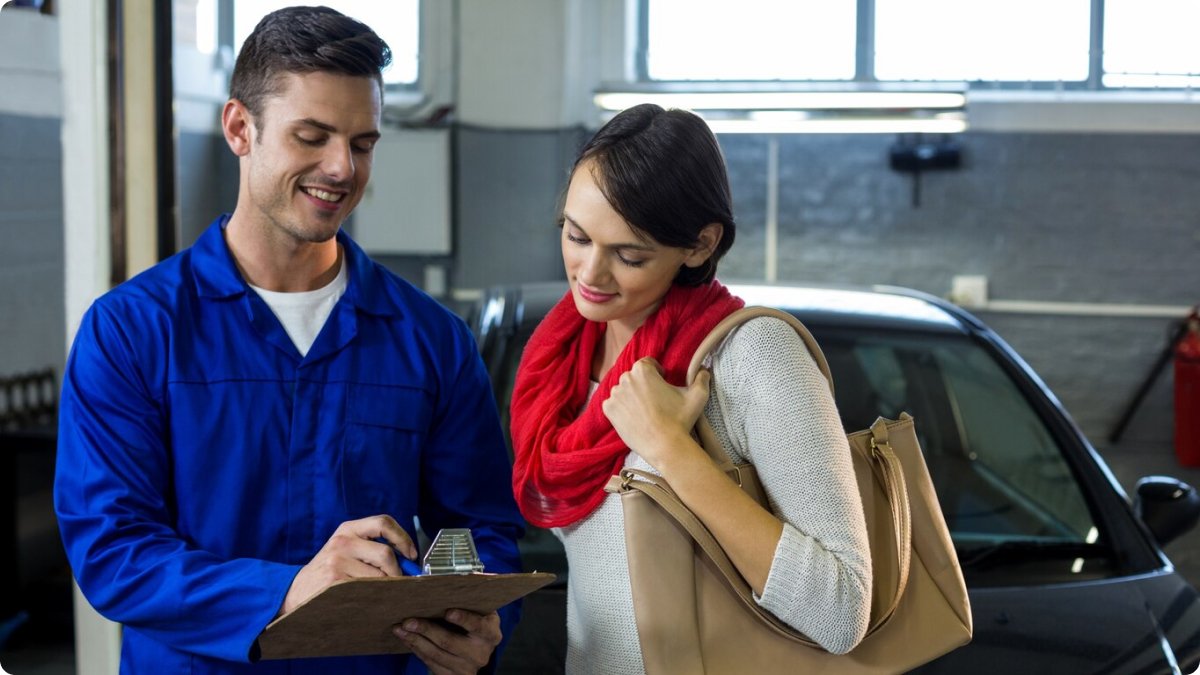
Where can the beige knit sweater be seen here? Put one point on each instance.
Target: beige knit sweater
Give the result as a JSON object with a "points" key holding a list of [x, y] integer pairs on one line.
{"points": [[770, 406]]}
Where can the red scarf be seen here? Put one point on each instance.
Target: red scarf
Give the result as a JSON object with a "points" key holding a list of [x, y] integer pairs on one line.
{"points": [[563, 456]]}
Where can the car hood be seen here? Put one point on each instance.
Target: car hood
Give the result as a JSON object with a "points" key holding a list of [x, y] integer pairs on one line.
{"points": [[1148, 624]]}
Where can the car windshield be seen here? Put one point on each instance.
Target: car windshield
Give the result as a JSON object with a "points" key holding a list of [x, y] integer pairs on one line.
{"points": [[1010, 499], [1014, 508]]}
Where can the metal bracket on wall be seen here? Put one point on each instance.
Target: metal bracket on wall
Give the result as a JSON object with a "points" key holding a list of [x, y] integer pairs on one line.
{"points": [[911, 153], [28, 400]]}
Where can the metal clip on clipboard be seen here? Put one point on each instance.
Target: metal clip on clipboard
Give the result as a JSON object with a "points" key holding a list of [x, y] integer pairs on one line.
{"points": [[452, 552]]}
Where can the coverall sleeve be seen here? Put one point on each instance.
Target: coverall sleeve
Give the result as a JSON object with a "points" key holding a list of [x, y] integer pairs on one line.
{"points": [[114, 495], [466, 473]]}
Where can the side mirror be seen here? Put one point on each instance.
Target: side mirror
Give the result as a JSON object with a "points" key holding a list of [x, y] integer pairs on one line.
{"points": [[1168, 506]]}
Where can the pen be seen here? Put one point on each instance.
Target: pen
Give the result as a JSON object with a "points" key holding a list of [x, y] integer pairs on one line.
{"points": [[410, 568]]}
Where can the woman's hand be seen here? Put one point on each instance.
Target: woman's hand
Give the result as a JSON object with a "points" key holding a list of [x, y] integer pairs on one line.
{"points": [[654, 418]]}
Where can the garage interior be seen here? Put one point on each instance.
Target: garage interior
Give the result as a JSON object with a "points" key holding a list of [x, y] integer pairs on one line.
{"points": [[1068, 221]]}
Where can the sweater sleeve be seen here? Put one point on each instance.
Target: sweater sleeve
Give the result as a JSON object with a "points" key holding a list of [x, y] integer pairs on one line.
{"points": [[772, 407]]}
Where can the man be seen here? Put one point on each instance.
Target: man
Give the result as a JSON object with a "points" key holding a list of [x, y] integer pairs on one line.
{"points": [[266, 412]]}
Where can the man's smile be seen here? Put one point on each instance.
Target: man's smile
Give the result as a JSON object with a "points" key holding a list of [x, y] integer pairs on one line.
{"points": [[323, 195]]}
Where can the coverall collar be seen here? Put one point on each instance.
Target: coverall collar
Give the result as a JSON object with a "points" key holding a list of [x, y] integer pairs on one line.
{"points": [[216, 274]]}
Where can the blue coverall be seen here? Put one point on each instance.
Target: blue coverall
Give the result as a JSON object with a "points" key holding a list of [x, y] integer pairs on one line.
{"points": [[202, 461]]}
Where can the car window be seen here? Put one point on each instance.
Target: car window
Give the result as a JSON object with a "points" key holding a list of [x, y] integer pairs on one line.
{"points": [[1001, 476]]}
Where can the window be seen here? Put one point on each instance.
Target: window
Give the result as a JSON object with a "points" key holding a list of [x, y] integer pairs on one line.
{"points": [[396, 21], [721, 40], [991, 44], [1151, 43], [1015, 41]]}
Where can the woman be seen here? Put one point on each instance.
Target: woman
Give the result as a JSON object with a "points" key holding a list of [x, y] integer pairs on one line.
{"points": [[647, 216]]}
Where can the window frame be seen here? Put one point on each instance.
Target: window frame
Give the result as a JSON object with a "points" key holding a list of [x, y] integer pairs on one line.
{"points": [[865, 67], [402, 101]]}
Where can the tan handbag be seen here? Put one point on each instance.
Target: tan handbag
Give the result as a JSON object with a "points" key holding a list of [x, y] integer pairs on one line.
{"points": [[696, 614]]}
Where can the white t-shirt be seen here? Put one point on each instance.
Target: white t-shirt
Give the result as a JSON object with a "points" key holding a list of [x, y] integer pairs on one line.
{"points": [[303, 313]]}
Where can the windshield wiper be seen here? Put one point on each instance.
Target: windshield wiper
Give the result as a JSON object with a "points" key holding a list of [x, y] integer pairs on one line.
{"points": [[1029, 549]]}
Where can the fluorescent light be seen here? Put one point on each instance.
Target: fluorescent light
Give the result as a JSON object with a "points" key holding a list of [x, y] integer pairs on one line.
{"points": [[1145, 80], [819, 110], [867, 125], [785, 100]]}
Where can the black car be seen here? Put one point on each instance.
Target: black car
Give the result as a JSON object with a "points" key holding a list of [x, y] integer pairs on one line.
{"points": [[1066, 574]]}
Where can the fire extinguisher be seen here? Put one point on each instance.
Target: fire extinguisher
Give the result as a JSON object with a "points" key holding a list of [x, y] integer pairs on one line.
{"points": [[1187, 393]]}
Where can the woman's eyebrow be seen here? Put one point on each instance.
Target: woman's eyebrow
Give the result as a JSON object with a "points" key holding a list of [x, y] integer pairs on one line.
{"points": [[639, 246]]}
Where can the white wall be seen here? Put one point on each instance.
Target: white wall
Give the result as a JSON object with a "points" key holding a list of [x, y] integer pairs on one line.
{"points": [[29, 65], [533, 64], [31, 209], [83, 47], [510, 65]]}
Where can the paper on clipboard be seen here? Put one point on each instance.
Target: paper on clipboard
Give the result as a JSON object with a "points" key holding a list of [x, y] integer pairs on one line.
{"points": [[355, 617]]}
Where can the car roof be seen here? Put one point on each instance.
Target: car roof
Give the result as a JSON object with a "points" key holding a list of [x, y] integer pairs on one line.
{"points": [[877, 306]]}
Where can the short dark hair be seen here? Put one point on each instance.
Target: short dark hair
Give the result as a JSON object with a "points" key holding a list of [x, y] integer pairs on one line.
{"points": [[304, 40], [663, 171]]}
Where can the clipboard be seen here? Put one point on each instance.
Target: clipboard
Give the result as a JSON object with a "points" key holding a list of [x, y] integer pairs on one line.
{"points": [[354, 617]]}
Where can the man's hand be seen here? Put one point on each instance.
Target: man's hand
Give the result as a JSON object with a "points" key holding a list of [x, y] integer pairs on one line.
{"points": [[448, 651], [350, 553]]}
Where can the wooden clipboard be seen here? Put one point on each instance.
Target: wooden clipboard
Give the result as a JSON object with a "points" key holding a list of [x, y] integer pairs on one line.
{"points": [[355, 617]]}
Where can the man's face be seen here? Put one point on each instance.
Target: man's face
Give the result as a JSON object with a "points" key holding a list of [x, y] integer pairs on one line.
{"points": [[310, 153]]}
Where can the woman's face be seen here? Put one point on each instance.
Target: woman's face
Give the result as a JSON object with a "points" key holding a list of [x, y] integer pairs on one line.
{"points": [[614, 275]]}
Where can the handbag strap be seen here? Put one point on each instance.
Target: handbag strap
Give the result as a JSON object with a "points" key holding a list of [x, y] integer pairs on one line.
{"points": [[741, 316], [656, 488], [715, 337], [883, 456], [890, 472]]}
